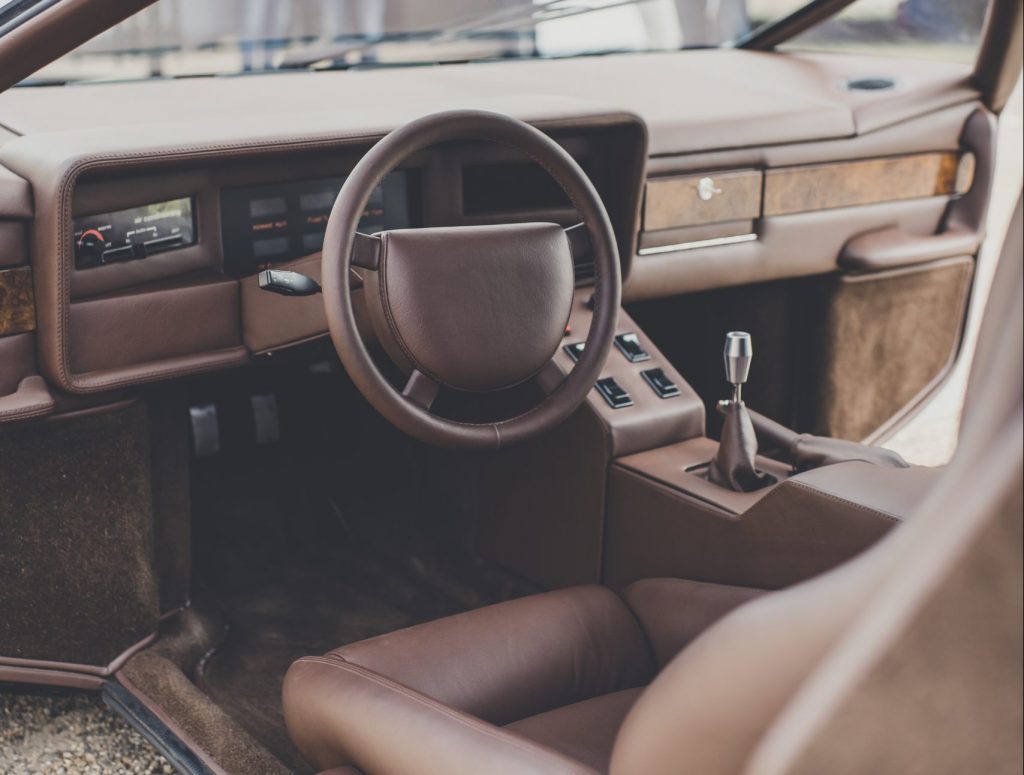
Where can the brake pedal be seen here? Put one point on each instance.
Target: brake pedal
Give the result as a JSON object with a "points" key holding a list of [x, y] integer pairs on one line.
{"points": [[205, 430]]}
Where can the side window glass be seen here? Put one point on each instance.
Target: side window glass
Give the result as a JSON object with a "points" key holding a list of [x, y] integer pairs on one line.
{"points": [[946, 30]]}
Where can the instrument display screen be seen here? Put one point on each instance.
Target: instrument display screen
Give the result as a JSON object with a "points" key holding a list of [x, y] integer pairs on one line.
{"points": [[128, 235], [277, 222]]}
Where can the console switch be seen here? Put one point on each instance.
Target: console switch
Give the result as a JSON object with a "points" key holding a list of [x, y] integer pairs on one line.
{"points": [[612, 392], [660, 383], [629, 345], [574, 350]]}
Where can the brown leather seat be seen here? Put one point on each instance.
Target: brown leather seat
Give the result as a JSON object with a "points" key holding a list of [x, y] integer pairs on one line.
{"points": [[906, 659], [560, 669]]}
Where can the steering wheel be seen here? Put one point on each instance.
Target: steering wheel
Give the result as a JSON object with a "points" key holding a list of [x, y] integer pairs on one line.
{"points": [[475, 308]]}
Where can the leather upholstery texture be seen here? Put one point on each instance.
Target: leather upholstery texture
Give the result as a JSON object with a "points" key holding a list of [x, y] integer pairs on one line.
{"points": [[733, 467], [535, 685], [476, 308], [781, 684]]}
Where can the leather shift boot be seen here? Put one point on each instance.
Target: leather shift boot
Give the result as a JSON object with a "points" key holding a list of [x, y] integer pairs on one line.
{"points": [[733, 466]]}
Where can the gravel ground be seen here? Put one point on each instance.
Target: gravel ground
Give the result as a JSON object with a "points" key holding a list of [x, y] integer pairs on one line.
{"points": [[71, 734]]}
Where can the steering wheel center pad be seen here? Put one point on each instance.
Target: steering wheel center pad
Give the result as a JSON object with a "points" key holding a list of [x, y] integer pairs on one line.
{"points": [[479, 308]]}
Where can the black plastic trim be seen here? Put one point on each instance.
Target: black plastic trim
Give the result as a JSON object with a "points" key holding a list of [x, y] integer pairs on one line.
{"points": [[769, 36], [20, 11], [146, 723]]}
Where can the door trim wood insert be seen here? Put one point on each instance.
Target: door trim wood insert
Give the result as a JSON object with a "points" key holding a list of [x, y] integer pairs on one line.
{"points": [[869, 181], [703, 201], [17, 301]]}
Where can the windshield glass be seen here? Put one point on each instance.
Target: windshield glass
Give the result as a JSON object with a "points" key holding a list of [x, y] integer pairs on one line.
{"points": [[199, 37]]}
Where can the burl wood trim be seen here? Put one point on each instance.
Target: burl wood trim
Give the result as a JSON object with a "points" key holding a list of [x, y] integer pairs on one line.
{"points": [[17, 301], [673, 203], [870, 181], [965, 173]]}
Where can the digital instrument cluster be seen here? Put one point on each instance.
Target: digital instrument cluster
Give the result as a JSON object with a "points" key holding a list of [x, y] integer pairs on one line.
{"points": [[129, 235], [270, 223]]}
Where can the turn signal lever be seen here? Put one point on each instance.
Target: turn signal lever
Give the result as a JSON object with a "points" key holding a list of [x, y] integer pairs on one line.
{"points": [[287, 283], [733, 466]]}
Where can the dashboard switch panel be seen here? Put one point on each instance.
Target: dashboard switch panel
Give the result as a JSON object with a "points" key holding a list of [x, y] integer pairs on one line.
{"points": [[629, 345], [612, 392], [660, 383]]}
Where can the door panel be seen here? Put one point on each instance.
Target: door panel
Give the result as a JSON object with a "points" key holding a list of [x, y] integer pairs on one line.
{"points": [[887, 339], [884, 227]]}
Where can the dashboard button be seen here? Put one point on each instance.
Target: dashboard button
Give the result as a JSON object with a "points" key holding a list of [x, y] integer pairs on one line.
{"points": [[660, 383], [629, 345], [123, 253], [612, 392]]}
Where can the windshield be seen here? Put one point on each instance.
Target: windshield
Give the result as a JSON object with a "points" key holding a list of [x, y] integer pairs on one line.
{"points": [[182, 38], [199, 37]]}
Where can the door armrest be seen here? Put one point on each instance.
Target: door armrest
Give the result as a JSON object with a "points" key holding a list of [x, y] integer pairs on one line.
{"points": [[890, 248]]}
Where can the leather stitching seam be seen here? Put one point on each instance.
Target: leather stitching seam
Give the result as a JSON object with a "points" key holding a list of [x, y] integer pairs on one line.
{"points": [[814, 490], [478, 725]]}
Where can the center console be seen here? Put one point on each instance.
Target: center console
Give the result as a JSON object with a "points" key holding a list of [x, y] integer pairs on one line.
{"points": [[664, 518], [627, 488], [719, 511]]}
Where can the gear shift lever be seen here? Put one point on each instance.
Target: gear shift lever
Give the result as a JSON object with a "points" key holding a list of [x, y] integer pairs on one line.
{"points": [[733, 466], [738, 353]]}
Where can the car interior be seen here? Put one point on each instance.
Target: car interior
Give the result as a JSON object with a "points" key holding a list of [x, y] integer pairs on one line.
{"points": [[519, 416]]}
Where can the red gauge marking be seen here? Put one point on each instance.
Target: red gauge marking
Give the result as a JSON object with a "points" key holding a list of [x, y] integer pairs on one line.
{"points": [[87, 232]]}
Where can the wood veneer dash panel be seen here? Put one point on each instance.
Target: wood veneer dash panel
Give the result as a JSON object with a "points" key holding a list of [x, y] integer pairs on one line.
{"points": [[17, 301], [673, 202], [869, 181]]}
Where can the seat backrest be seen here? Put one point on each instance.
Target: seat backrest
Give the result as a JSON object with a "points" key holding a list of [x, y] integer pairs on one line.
{"points": [[843, 673]]}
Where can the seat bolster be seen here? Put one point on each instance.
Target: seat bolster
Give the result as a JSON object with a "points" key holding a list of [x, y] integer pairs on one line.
{"points": [[672, 612], [584, 731], [504, 662], [342, 714]]}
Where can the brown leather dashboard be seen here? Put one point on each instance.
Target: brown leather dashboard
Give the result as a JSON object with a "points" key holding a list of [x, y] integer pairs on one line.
{"points": [[730, 127], [175, 313]]}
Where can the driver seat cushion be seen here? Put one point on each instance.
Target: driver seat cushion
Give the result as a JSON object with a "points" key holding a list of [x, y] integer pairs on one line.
{"points": [[538, 684]]}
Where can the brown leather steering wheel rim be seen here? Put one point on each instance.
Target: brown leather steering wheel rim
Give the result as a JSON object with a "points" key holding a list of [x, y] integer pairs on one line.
{"points": [[342, 226]]}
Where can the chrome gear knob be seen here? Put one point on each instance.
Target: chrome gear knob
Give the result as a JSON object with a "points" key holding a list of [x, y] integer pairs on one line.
{"points": [[739, 351]]}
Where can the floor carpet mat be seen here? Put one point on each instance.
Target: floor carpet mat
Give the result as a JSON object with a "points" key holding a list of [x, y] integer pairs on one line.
{"points": [[304, 550]]}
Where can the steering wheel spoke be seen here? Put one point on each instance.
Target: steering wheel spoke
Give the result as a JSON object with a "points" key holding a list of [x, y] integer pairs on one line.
{"points": [[366, 251], [550, 377], [580, 246], [421, 389]]}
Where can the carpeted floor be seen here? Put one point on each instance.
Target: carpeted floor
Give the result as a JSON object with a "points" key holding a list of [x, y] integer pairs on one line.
{"points": [[304, 547]]}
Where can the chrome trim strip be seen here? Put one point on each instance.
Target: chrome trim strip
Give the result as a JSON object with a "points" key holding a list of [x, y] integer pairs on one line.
{"points": [[704, 243]]}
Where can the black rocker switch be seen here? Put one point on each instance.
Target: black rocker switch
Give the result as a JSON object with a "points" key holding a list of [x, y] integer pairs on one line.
{"points": [[660, 383], [613, 393], [574, 350], [629, 345], [287, 283]]}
